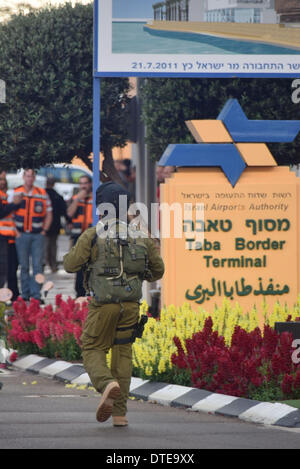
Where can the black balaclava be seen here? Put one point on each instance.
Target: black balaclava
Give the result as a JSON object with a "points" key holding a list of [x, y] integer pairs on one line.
{"points": [[109, 192]]}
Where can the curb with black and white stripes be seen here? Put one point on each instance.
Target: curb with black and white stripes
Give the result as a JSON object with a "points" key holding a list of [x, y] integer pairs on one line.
{"points": [[173, 395]]}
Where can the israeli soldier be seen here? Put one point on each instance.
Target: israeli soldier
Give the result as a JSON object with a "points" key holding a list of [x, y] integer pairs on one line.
{"points": [[115, 267]]}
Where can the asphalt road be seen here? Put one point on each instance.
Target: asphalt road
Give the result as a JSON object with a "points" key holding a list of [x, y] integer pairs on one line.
{"points": [[41, 413]]}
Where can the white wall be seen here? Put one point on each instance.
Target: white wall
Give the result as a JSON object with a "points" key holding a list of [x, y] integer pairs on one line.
{"points": [[269, 17], [199, 7], [220, 4], [196, 12]]}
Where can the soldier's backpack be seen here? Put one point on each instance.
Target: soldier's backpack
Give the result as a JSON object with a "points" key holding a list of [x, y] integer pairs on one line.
{"points": [[116, 271]]}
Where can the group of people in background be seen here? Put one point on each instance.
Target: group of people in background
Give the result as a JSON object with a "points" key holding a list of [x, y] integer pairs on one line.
{"points": [[29, 227], [30, 223]]}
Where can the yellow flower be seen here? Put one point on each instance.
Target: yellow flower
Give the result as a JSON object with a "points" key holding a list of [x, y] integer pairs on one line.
{"points": [[148, 371], [152, 354], [81, 387]]}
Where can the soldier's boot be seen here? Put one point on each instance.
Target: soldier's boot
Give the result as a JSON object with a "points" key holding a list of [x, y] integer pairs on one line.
{"points": [[120, 421], [105, 407]]}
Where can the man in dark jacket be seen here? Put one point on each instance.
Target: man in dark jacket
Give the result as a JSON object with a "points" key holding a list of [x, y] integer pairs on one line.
{"points": [[6, 210], [59, 210]]}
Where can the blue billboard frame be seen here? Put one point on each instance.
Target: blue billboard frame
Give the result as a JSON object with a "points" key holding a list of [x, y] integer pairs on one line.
{"points": [[97, 75], [104, 70]]}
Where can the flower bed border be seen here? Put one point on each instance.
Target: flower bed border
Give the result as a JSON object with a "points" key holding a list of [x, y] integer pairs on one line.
{"points": [[192, 399]]}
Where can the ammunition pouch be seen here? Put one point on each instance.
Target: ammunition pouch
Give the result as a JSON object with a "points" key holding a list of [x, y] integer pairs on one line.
{"points": [[137, 333], [154, 308]]}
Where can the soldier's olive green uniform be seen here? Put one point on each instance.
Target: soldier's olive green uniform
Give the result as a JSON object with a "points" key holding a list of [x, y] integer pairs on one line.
{"points": [[102, 326]]}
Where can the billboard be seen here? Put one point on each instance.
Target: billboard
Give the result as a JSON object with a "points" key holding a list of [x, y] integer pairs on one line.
{"points": [[208, 38]]}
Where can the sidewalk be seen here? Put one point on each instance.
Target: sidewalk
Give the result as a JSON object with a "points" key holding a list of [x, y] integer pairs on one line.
{"points": [[63, 282]]}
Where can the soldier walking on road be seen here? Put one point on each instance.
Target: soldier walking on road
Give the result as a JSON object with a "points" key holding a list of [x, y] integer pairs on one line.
{"points": [[115, 269]]}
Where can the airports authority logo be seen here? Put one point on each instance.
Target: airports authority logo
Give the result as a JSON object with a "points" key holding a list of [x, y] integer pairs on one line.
{"points": [[232, 142]]}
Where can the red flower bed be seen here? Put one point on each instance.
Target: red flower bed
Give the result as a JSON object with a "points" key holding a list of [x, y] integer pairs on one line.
{"points": [[54, 332], [256, 365]]}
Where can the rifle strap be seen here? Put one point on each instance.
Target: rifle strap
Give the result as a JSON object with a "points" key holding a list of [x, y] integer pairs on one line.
{"points": [[127, 328]]}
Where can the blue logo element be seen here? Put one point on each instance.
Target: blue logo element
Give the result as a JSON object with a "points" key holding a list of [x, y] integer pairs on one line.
{"points": [[243, 130], [224, 155], [227, 156]]}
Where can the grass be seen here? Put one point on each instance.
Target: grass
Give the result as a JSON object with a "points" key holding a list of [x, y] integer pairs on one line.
{"points": [[292, 403]]}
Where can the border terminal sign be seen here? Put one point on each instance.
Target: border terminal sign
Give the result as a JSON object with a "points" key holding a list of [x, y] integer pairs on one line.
{"points": [[251, 227]]}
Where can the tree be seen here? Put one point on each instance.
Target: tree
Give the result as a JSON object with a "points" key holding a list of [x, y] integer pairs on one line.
{"points": [[169, 102], [46, 61]]}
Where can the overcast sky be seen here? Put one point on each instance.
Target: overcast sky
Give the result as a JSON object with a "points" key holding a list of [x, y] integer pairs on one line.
{"points": [[133, 8], [35, 3], [8, 7], [121, 8]]}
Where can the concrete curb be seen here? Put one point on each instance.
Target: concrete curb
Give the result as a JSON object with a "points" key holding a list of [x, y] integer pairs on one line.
{"points": [[173, 395]]}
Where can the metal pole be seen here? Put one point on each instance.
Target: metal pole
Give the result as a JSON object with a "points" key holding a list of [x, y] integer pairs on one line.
{"points": [[150, 178], [96, 143], [96, 113], [140, 160]]}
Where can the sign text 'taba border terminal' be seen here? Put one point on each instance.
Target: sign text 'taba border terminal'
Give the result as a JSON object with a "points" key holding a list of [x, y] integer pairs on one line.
{"points": [[241, 215]]}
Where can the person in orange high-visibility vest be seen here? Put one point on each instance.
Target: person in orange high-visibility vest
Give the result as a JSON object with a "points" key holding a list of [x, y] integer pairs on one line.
{"points": [[32, 219], [7, 228], [80, 212]]}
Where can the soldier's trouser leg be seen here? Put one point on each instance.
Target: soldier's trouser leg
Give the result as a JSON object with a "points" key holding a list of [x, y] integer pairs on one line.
{"points": [[99, 334], [121, 358]]}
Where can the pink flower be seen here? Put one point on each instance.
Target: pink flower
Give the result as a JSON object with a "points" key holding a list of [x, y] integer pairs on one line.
{"points": [[13, 357], [287, 384]]}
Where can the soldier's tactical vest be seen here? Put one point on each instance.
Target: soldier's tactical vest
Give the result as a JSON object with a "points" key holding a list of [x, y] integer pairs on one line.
{"points": [[7, 224], [117, 269]]}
